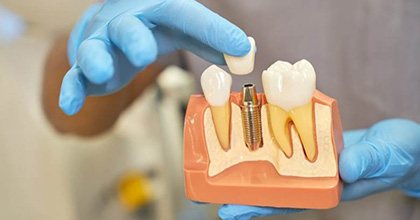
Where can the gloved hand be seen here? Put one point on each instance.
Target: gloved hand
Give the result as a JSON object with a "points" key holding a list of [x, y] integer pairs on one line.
{"points": [[114, 40], [383, 157]]}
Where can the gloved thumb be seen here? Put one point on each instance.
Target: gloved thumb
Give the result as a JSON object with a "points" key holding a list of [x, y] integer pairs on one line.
{"points": [[359, 165], [363, 160], [380, 159], [386, 150]]}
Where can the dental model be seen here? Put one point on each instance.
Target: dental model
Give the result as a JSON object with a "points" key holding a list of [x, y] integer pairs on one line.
{"points": [[289, 90], [277, 149], [216, 84], [242, 65]]}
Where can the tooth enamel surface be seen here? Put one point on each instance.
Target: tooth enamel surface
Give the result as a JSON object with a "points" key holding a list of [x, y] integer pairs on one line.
{"points": [[289, 90], [289, 86], [216, 85], [242, 65]]}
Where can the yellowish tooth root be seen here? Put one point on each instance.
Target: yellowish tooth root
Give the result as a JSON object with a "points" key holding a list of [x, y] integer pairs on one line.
{"points": [[279, 124], [221, 120], [303, 119]]}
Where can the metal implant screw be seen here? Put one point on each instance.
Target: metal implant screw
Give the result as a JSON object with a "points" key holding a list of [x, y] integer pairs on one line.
{"points": [[251, 117]]}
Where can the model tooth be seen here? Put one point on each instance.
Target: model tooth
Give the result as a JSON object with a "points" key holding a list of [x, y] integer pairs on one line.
{"points": [[216, 85], [242, 65], [289, 90], [278, 118]]}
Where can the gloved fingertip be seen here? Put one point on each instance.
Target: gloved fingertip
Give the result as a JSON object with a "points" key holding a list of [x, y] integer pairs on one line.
{"points": [[349, 166], [95, 61], [134, 38], [102, 70], [223, 214], [202, 50], [72, 93], [238, 44], [217, 59], [70, 104], [144, 55], [244, 212], [233, 212]]}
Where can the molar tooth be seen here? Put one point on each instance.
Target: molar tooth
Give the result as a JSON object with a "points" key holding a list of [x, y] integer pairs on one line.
{"points": [[289, 90], [242, 65], [216, 85]]}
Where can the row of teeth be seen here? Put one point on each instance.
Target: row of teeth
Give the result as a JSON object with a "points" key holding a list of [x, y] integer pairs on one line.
{"points": [[288, 89]]}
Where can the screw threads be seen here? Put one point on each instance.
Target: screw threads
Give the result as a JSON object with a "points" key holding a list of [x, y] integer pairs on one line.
{"points": [[251, 117]]}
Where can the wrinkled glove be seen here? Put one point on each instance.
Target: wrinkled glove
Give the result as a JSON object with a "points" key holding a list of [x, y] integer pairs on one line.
{"points": [[383, 157], [115, 40]]}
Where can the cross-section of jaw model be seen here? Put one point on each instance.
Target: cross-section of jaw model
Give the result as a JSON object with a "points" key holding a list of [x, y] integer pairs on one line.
{"points": [[275, 149]]}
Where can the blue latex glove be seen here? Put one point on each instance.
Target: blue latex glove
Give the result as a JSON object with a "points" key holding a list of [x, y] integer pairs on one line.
{"points": [[114, 40], [383, 157]]}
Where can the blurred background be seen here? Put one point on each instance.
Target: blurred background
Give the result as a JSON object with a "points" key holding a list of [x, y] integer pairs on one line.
{"points": [[128, 173]]}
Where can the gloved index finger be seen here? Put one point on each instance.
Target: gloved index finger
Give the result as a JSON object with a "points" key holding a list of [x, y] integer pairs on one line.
{"points": [[199, 22]]}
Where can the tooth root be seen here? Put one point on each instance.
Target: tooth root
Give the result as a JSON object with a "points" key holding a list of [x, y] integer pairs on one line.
{"points": [[221, 120], [304, 122], [242, 65], [279, 123]]}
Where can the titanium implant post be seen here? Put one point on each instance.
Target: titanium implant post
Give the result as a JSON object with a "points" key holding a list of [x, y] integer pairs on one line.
{"points": [[251, 117]]}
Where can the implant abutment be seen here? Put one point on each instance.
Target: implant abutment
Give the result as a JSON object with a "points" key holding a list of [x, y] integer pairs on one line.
{"points": [[251, 117]]}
